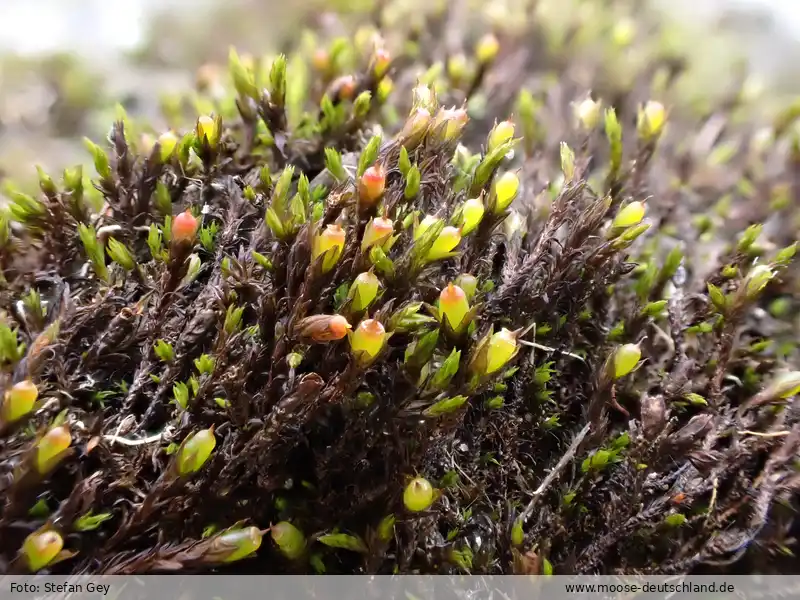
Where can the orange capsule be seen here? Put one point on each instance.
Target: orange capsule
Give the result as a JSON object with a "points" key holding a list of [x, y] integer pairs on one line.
{"points": [[324, 328], [321, 60], [184, 227], [372, 184], [344, 87]]}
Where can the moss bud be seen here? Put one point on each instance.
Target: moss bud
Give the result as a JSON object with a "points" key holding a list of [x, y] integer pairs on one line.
{"points": [[371, 185], [120, 254], [756, 280], [167, 142], [192, 269], [415, 127], [40, 549], [418, 495], [19, 401], [207, 129], [625, 359], [380, 62], [243, 541], [468, 283], [449, 122], [424, 225], [324, 328], [196, 451], [501, 348], [454, 307], [364, 291], [367, 341], [630, 215], [329, 242], [386, 528], [289, 539], [50, 448], [377, 232], [506, 188], [651, 120], [487, 48], [184, 227], [321, 60], [500, 134], [448, 239], [471, 215], [588, 113]]}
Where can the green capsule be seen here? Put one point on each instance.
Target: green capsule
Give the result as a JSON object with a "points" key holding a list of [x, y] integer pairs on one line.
{"points": [[625, 359], [50, 447], [196, 451], [289, 539], [19, 401], [418, 495], [245, 542], [41, 548]]}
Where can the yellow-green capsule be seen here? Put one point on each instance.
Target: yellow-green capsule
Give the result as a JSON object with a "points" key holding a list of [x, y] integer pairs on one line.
{"points": [[244, 541], [502, 346], [377, 231], [418, 495], [651, 120], [487, 48], [471, 215], [454, 306], [457, 66], [364, 291], [448, 239], [506, 188], [196, 451], [450, 122], [424, 225], [757, 279], [331, 239], [630, 215], [40, 549], [625, 359], [500, 134], [207, 129], [587, 113], [167, 142], [468, 283], [289, 539], [368, 339], [19, 401], [52, 444], [623, 32]]}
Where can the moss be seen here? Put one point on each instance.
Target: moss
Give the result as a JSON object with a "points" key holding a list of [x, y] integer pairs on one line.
{"points": [[216, 289]]}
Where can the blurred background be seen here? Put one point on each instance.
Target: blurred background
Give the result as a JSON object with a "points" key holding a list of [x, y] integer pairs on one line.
{"points": [[65, 64]]}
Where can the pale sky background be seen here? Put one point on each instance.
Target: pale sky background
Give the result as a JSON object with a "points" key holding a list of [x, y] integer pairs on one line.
{"points": [[92, 26]]}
